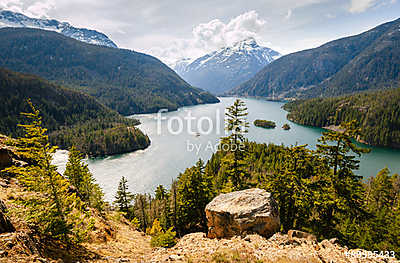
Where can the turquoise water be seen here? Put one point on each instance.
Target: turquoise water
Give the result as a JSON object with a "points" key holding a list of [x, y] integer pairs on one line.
{"points": [[169, 155]]}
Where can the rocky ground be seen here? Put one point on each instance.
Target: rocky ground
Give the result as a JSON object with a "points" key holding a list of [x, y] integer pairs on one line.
{"points": [[254, 248]]}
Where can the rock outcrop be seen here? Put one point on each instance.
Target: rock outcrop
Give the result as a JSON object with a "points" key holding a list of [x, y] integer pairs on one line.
{"points": [[251, 211]]}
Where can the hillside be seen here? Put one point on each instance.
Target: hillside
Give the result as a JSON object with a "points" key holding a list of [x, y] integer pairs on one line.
{"points": [[377, 114], [366, 61], [71, 117], [126, 81], [228, 67]]}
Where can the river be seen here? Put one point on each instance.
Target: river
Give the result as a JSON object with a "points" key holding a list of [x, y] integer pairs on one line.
{"points": [[172, 150]]}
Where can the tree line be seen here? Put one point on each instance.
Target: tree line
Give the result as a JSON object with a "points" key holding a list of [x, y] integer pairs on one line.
{"points": [[377, 114]]}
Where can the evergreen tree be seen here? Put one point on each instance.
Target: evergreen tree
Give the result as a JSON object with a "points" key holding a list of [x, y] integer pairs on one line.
{"points": [[194, 192], [52, 210], [336, 148], [124, 198], [234, 162], [80, 177]]}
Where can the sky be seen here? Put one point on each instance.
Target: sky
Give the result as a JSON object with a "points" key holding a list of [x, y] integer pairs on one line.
{"points": [[176, 29]]}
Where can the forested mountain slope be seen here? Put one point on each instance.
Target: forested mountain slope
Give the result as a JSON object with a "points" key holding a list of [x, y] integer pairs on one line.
{"points": [[377, 114], [71, 117], [366, 61], [124, 80]]}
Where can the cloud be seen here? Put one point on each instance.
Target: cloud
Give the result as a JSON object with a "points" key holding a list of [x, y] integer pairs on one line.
{"points": [[212, 35], [359, 6], [33, 8]]}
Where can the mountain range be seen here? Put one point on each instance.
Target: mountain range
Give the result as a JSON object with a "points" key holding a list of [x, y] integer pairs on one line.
{"points": [[126, 81], [13, 19], [366, 61], [224, 69]]}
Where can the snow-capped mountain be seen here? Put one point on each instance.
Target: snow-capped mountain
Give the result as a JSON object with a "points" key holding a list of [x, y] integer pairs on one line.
{"points": [[226, 68], [12, 19]]}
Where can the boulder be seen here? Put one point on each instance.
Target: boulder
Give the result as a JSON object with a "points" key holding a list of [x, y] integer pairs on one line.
{"points": [[5, 223], [252, 211], [6, 159]]}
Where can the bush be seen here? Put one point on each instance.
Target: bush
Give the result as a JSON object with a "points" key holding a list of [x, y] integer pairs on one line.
{"points": [[164, 239]]}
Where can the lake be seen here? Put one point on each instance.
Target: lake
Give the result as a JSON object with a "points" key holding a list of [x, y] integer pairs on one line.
{"points": [[181, 137]]}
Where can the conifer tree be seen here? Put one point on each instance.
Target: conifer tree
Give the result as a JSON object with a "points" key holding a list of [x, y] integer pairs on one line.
{"points": [[51, 210], [194, 192], [338, 149], [124, 198], [234, 161], [80, 177]]}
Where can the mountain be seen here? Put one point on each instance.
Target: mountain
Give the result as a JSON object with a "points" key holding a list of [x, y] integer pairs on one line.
{"points": [[228, 67], [126, 81], [366, 61], [72, 118], [12, 19], [377, 114]]}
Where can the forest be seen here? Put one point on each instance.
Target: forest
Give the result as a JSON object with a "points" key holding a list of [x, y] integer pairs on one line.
{"points": [[377, 114], [72, 118]]}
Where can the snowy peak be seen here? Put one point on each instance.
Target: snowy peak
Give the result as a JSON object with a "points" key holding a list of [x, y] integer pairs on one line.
{"points": [[227, 67], [12, 19]]}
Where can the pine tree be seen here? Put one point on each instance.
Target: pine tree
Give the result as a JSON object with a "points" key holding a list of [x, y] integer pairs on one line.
{"points": [[51, 210], [124, 198], [234, 161], [80, 177], [194, 192], [336, 148]]}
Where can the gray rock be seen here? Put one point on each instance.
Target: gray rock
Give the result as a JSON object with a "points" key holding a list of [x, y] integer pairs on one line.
{"points": [[252, 211]]}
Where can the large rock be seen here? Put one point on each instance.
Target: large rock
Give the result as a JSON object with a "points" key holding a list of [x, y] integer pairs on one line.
{"points": [[5, 224], [251, 211]]}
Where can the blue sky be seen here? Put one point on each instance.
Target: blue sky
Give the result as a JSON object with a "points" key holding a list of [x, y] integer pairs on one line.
{"points": [[173, 29]]}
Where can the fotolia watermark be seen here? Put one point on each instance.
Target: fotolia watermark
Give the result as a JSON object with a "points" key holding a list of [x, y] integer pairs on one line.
{"points": [[197, 127], [194, 125]]}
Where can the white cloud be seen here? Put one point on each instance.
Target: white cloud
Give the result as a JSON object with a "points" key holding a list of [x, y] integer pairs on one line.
{"points": [[212, 35], [359, 6], [33, 9]]}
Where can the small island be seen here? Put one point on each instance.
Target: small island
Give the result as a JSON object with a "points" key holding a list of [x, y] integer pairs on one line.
{"points": [[265, 124], [286, 127]]}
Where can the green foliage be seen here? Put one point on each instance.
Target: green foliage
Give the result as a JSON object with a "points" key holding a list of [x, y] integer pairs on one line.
{"points": [[71, 117], [377, 114], [48, 207], [124, 80], [160, 238], [80, 177], [233, 162], [194, 192], [124, 198], [166, 239], [265, 124]]}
